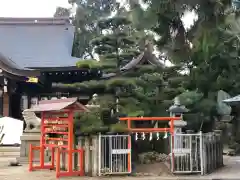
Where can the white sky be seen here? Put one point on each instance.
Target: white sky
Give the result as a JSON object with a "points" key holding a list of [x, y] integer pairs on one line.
{"points": [[30, 8], [44, 8]]}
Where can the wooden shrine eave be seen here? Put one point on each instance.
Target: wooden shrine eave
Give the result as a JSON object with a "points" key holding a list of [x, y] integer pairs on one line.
{"points": [[71, 74], [34, 21], [67, 70], [144, 57], [56, 69], [58, 105], [11, 68]]}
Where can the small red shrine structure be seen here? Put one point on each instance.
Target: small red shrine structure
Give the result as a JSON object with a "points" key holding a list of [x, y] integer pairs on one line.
{"points": [[57, 117]]}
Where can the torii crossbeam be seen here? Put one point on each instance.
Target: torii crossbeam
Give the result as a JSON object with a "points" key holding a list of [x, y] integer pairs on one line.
{"points": [[170, 119]]}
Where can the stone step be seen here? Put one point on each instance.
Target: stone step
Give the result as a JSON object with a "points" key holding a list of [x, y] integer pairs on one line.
{"points": [[9, 154], [9, 151]]}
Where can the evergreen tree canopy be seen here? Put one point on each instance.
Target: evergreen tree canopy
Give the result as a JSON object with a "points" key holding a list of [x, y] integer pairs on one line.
{"points": [[204, 56], [115, 45]]}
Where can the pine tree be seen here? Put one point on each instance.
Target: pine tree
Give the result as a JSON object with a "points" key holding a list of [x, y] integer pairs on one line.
{"points": [[88, 13], [115, 46]]}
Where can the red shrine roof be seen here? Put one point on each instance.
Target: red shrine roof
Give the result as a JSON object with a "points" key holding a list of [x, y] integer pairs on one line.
{"points": [[58, 105]]}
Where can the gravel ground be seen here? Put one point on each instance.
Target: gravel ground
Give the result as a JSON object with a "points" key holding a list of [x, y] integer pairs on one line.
{"points": [[230, 171], [22, 173]]}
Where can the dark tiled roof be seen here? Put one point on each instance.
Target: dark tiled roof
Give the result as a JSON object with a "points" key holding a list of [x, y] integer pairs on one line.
{"points": [[11, 67], [8, 61], [145, 56], [37, 42], [134, 62]]}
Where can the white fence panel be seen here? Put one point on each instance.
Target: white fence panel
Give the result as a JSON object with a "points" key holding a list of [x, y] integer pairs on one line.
{"points": [[196, 153], [115, 154]]}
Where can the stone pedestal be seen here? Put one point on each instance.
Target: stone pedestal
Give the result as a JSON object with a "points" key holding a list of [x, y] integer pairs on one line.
{"points": [[178, 125], [29, 137]]}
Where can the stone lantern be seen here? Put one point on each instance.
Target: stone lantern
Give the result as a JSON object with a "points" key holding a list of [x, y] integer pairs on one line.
{"points": [[94, 103], [95, 98], [177, 110]]}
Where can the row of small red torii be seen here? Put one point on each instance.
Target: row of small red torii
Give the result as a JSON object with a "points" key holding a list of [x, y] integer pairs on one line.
{"points": [[68, 106]]}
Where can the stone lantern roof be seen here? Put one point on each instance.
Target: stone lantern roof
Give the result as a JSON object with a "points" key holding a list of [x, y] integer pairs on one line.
{"points": [[177, 107]]}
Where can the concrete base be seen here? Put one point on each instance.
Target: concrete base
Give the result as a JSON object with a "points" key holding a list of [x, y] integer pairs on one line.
{"points": [[30, 137]]}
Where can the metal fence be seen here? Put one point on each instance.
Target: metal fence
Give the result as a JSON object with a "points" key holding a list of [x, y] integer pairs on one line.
{"points": [[196, 153], [115, 154]]}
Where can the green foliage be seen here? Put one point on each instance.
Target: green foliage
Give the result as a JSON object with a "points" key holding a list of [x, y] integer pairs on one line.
{"points": [[202, 109], [206, 106], [62, 12], [106, 101], [119, 127], [92, 121], [89, 121], [190, 98], [87, 14], [207, 53], [88, 64], [90, 86], [113, 23], [117, 45], [120, 82]]}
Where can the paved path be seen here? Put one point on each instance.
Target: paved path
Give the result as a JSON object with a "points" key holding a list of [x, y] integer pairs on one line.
{"points": [[230, 171]]}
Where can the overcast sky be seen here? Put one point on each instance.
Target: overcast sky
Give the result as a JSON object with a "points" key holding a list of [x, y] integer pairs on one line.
{"points": [[44, 8], [30, 8]]}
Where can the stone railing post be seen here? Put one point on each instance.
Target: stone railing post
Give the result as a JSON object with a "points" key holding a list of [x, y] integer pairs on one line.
{"points": [[95, 155], [84, 142], [219, 141], [87, 154]]}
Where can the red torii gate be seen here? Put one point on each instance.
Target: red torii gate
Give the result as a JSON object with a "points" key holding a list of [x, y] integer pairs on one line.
{"points": [[149, 130], [170, 119]]}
